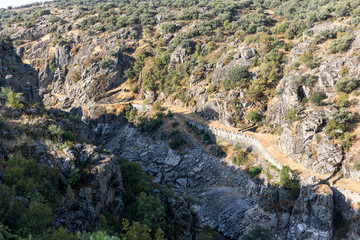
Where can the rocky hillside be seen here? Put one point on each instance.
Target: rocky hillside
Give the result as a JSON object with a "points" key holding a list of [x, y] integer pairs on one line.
{"points": [[180, 119]]}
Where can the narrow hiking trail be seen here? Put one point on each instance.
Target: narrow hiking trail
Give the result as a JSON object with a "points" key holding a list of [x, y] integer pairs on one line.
{"points": [[268, 141]]}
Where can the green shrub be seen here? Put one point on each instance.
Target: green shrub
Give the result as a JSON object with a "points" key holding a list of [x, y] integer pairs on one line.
{"points": [[52, 65], [241, 158], [150, 125], [342, 100], [36, 219], [55, 131], [254, 117], [207, 233], [68, 136], [325, 35], [74, 177], [74, 119], [254, 171], [342, 44], [207, 138], [338, 123], [291, 114], [132, 231], [169, 28], [175, 124], [5, 43], [14, 100], [347, 84], [308, 80], [238, 76], [289, 183], [130, 113], [309, 60], [151, 211], [106, 63], [176, 139], [317, 97]]}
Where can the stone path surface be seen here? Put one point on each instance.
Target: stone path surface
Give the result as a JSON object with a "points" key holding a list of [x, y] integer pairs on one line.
{"points": [[269, 143]]}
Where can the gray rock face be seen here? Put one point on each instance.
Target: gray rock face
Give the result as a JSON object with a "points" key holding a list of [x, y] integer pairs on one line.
{"points": [[222, 69], [3, 154], [222, 195], [101, 188], [328, 157], [302, 146], [177, 57], [180, 208], [18, 76], [312, 215], [226, 107], [289, 99], [63, 55]]}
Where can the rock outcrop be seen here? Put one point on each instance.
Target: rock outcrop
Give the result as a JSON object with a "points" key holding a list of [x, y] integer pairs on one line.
{"points": [[312, 216], [100, 188]]}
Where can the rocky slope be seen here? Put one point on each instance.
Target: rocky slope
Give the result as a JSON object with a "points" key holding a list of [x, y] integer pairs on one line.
{"points": [[71, 59]]}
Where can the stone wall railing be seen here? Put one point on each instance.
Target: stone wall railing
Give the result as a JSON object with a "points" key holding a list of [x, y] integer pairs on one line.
{"points": [[233, 138]]}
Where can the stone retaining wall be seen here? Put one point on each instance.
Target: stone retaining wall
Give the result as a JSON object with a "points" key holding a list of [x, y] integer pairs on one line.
{"points": [[233, 138], [343, 195]]}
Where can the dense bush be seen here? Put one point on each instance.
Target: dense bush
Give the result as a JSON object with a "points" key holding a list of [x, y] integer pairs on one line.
{"points": [[347, 84], [39, 185], [254, 171], [151, 211], [169, 28], [309, 60], [176, 139], [317, 97], [254, 116], [241, 158], [325, 35], [338, 123], [289, 183], [130, 113], [308, 80], [238, 76], [106, 63], [15, 100], [150, 125], [342, 44]]}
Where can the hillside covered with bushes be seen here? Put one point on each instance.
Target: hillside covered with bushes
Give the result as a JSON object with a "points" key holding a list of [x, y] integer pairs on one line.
{"points": [[122, 119]]}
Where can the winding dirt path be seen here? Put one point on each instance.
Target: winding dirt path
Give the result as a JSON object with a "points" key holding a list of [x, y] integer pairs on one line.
{"points": [[269, 143], [267, 140]]}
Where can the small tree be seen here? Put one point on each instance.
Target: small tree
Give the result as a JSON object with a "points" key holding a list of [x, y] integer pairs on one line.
{"points": [[288, 182], [347, 84], [317, 97], [151, 210], [14, 100], [55, 131], [237, 77], [254, 116]]}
